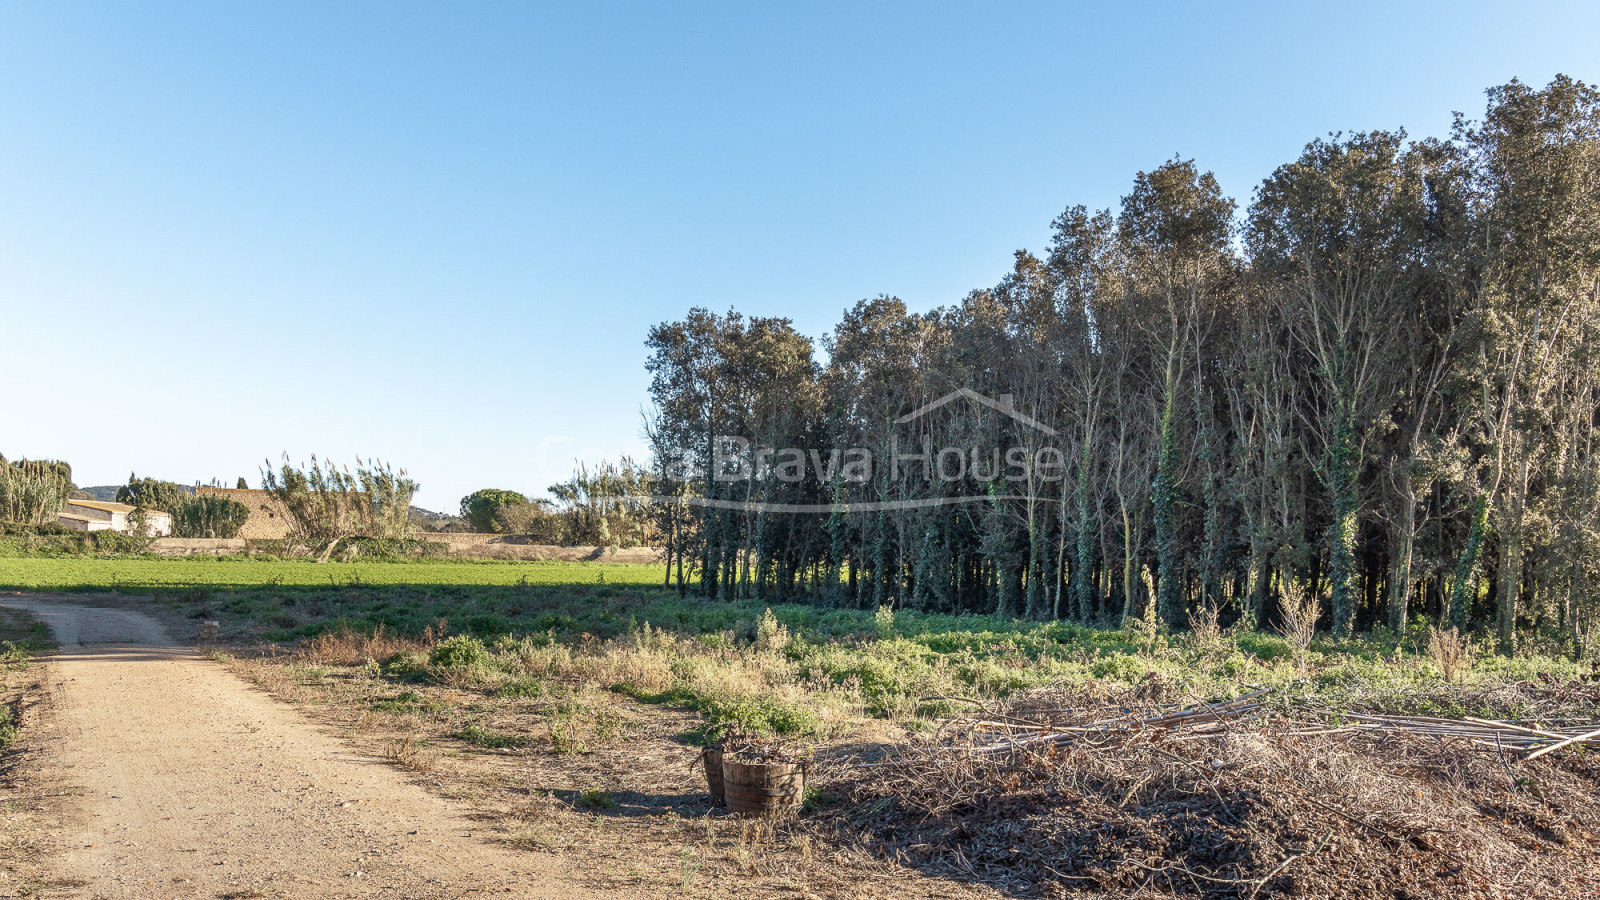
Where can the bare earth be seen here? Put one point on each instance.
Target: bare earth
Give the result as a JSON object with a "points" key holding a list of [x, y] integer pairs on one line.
{"points": [[190, 783]]}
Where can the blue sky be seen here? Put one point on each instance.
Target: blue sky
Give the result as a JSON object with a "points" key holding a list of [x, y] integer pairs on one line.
{"points": [[438, 233]]}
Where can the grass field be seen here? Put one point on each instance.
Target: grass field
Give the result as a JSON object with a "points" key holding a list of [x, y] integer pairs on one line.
{"points": [[139, 574]]}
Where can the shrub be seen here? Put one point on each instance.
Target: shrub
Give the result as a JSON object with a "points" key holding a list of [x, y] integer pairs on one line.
{"points": [[520, 688], [596, 797], [407, 662], [1450, 651], [883, 621], [460, 652], [772, 636], [1300, 609], [761, 715]]}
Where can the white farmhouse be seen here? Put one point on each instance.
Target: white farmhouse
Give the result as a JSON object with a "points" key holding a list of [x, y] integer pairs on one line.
{"points": [[95, 515]]}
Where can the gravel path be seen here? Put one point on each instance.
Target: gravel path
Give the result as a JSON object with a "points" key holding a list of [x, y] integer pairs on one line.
{"points": [[193, 784]]}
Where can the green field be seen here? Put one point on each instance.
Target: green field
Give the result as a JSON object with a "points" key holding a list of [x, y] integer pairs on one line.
{"points": [[141, 574]]}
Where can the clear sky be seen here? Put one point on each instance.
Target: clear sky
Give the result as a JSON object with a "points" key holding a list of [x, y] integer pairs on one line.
{"points": [[438, 233]]}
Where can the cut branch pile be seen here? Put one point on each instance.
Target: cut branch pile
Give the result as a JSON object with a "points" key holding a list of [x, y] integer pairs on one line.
{"points": [[1248, 798], [999, 732], [1488, 733], [1027, 733]]}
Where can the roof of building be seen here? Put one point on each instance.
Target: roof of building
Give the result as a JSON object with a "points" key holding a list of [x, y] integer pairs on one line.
{"points": [[74, 517], [104, 506]]}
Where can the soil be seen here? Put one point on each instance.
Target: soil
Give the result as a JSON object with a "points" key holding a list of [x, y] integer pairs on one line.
{"points": [[149, 771]]}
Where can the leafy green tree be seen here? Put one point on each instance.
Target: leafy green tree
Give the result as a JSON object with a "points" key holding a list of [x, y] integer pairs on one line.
{"points": [[153, 494], [1175, 228], [479, 507]]}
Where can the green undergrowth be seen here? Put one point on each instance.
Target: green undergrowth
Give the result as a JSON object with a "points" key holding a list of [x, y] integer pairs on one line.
{"points": [[530, 631], [810, 672]]}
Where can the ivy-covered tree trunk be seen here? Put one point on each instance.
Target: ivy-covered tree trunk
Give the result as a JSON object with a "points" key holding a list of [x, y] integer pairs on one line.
{"points": [[1466, 580], [1083, 570], [1168, 551], [1343, 596]]}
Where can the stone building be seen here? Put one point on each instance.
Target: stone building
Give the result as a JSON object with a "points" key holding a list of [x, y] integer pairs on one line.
{"points": [[97, 515], [268, 520]]}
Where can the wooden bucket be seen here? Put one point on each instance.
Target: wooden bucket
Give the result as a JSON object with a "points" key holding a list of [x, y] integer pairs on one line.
{"points": [[712, 759], [754, 789]]}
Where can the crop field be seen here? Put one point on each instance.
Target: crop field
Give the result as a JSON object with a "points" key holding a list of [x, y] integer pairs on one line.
{"points": [[139, 574]]}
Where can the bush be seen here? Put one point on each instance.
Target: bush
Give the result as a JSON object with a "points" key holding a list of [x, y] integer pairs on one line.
{"points": [[407, 662], [761, 715], [460, 652], [1130, 669]]}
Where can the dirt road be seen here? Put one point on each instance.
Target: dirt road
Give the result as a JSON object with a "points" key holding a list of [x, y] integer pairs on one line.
{"points": [[195, 785]]}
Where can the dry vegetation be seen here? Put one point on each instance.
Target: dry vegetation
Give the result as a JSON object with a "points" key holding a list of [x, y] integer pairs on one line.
{"points": [[589, 746], [557, 763], [25, 803]]}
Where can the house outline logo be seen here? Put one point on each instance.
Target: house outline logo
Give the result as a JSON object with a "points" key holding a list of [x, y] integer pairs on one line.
{"points": [[1005, 405]]}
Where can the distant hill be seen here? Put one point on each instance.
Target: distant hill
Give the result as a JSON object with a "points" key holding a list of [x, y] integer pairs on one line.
{"points": [[428, 520], [107, 493]]}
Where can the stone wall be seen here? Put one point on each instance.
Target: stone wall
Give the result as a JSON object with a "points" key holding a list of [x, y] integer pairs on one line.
{"points": [[171, 546], [268, 520]]}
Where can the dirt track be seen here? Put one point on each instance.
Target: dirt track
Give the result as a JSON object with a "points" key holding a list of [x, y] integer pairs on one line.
{"points": [[194, 784]]}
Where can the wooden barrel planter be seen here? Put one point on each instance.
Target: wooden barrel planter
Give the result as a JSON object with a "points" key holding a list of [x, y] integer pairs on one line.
{"points": [[763, 789], [712, 759]]}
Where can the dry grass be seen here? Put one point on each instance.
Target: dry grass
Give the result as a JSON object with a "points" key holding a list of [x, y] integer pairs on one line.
{"points": [[617, 788], [1205, 628], [352, 648], [1300, 610], [410, 754], [1450, 651], [1248, 812]]}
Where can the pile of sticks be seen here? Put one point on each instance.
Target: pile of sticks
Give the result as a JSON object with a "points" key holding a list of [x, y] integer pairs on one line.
{"points": [[993, 733], [999, 733], [1500, 736]]}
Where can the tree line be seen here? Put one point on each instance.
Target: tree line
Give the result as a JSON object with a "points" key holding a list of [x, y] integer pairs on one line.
{"points": [[1377, 381]]}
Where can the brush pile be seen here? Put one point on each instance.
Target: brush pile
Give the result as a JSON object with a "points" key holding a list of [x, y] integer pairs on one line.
{"points": [[1237, 799], [1498, 736], [1000, 732]]}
